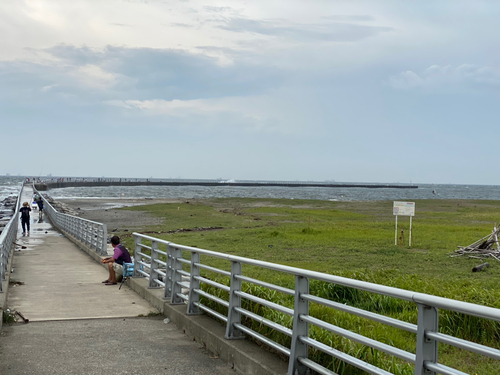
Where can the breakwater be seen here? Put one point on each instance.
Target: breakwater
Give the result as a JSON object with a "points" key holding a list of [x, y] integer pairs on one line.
{"points": [[64, 184]]}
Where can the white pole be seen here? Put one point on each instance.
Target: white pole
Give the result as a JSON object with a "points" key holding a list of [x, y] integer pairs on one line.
{"points": [[396, 232], [409, 242]]}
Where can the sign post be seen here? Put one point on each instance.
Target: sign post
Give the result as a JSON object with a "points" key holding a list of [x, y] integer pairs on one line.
{"points": [[403, 209]]}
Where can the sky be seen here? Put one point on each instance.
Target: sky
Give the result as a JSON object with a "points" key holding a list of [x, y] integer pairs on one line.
{"points": [[318, 90]]}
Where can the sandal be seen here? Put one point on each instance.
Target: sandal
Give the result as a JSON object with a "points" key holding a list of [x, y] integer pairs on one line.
{"points": [[110, 283], [105, 281]]}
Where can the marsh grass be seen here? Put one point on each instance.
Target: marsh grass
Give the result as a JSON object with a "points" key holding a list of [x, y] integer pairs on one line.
{"points": [[354, 240]]}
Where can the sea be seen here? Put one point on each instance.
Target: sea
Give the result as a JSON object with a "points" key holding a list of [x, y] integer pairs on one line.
{"points": [[10, 185]]}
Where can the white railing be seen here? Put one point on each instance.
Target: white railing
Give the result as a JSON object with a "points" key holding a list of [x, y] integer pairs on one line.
{"points": [[164, 269], [7, 240], [94, 235]]}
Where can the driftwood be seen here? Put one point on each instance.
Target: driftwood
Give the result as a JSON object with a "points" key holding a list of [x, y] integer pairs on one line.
{"points": [[480, 267], [486, 247]]}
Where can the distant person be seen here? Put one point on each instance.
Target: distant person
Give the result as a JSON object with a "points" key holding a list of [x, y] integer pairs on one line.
{"points": [[39, 202], [120, 256], [25, 217]]}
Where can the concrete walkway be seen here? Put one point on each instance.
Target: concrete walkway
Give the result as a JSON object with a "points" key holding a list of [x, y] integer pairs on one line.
{"points": [[80, 326]]}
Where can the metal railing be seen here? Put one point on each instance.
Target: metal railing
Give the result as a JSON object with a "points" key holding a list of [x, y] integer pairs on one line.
{"points": [[166, 267], [7, 240], [94, 235]]}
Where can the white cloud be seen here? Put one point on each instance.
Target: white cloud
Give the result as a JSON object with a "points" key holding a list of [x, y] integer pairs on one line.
{"points": [[49, 87], [194, 108], [436, 76], [405, 80], [264, 113], [46, 13], [94, 76]]}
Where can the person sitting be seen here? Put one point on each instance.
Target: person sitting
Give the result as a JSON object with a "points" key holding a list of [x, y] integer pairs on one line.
{"points": [[120, 256]]}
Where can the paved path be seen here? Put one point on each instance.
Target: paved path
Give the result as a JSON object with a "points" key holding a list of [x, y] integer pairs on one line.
{"points": [[62, 282], [80, 326]]}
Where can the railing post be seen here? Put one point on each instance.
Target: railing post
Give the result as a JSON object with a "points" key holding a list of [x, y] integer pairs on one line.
{"points": [[194, 297], [153, 272], [234, 301], [176, 277], [86, 231], [104, 245], [94, 232], [427, 349], [2, 272], [168, 271], [300, 328], [137, 256]]}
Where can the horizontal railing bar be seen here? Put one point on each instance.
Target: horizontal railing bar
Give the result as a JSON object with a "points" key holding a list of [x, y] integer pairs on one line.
{"points": [[71, 217], [213, 269], [266, 285], [183, 273], [144, 255], [182, 260], [267, 322], [463, 344], [406, 356], [264, 302], [211, 312], [183, 296], [144, 246], [213, 283], [362, 313], [442, 369], [183, 284], [315, 367], [262, 338], [148, 265], [459, 306], [160, 262], [160, 252], [161, 273], [344, 357], [159, 282], [212, 297], [153, 239], [143, 273]]}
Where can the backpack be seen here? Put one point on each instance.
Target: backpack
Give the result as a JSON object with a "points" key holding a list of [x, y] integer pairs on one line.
{"points": [[25, 213]]}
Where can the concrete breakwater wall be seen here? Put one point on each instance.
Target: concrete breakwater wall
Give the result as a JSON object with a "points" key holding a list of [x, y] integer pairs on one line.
{"points": [[56, 185]]}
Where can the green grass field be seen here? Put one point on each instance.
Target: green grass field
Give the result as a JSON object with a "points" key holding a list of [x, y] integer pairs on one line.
{"points": [[356, 240]]}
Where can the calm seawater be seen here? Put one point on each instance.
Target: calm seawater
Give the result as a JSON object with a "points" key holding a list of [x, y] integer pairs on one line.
{"points": [[11, 185]]}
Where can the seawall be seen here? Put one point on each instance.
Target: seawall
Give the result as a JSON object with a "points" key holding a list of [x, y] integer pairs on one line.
{"points": [[65, 184]]}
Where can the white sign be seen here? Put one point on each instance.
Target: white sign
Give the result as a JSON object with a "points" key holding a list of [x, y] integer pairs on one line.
{"points": [[404, 209]]}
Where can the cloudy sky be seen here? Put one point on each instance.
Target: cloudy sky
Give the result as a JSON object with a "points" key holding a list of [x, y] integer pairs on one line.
{"points": [[358, 91]]}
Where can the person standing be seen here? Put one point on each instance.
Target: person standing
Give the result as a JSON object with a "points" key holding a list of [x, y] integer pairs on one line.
{"points": [[39, 202], [25, 217]]}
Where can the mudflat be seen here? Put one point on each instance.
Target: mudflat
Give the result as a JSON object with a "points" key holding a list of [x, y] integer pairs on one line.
{"points": [[107, 211]]}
